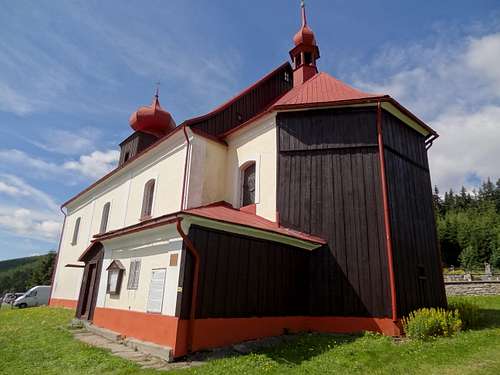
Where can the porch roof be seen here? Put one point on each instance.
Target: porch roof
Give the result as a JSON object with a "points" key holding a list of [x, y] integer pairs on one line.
{"points": [[220, 212]]}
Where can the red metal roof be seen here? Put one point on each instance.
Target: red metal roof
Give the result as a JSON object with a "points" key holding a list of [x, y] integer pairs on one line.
{"points": [[221, 212], [322, 88], [224, 212]]}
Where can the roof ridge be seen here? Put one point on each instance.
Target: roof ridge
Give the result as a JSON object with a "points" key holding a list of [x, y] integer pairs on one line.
{"points": [[227, 103]]}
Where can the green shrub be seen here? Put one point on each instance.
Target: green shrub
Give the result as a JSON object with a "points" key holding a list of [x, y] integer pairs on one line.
{"points": [[430, 322], [468, 312]]}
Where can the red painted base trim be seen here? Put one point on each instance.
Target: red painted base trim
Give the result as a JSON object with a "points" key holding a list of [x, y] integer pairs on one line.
{"points": [[155, 328], [212, 333], [59, 302]]}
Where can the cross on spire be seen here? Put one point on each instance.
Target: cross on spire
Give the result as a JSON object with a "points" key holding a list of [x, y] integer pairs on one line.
{"points": [[303, 10], [157, 89]]}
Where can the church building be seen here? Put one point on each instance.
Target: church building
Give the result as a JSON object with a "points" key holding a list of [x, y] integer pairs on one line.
{"points": [[301, 204]]}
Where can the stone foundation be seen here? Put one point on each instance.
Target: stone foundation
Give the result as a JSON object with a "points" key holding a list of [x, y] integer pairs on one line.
{"points": [[472, 288]]}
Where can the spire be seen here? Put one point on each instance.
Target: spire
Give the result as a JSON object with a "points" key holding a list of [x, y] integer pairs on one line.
{"points": [[156, 97], [303, 6], [157, 90], [306, 52]]}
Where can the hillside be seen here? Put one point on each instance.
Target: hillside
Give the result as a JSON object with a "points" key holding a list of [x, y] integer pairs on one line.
{"points": [[18, 275]]}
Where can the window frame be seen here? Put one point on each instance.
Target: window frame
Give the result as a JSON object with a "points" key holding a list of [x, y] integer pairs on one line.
{"points": [[134, 274], [76, 231], [148, 196], [106, 209], [117, 268], [242, 170]]}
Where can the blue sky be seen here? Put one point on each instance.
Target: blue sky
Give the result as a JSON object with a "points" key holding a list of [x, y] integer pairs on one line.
{"points": [[71, 73]]}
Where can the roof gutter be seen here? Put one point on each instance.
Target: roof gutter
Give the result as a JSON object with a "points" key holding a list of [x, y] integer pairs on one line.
{"points": [[194, 291], [188, 149], [430, 140]]}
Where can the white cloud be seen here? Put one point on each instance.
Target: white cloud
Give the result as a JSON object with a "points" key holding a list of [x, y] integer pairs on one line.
{"points": [[91, 166], [483, 56], [455, 87], [12, 101], [94, 165], [29, 223], [18, 188], [9, 189], [69, 142], [16, 159], [27, 211]]}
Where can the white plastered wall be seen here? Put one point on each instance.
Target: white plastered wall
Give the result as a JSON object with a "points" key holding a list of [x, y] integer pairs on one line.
{"points": [[207, 172], [124, 191], [154, 248], [256, 142]]}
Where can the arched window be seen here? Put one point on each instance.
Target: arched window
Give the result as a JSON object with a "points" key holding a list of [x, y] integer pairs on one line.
{"points": [[248, 184], [104, 218], [147, 199], [75, 231]]}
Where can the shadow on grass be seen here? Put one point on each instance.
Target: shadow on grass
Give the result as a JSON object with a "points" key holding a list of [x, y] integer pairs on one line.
{"points": [[489, 318], [302, 347]]}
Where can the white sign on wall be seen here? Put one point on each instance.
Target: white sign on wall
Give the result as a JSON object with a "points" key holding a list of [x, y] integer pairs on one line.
{"points": [[155, 299]]}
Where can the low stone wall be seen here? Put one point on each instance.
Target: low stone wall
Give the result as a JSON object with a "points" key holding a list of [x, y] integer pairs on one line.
{"points": [[472, 288]]}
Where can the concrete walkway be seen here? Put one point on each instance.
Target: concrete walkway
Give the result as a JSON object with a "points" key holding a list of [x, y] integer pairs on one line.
{"points": [[144, 360]]}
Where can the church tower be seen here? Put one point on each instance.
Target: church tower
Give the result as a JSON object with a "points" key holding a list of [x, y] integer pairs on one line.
{"points": [[305, 53]]}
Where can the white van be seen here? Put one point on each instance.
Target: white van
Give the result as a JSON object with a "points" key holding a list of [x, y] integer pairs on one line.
{"points": [[36, 296]]}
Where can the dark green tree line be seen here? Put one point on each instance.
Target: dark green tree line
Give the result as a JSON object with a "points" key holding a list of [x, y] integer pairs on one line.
{"points": [[20, 278], [469, 226]]}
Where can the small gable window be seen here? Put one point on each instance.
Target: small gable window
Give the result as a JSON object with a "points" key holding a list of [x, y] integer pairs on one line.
{"points": [[147, 199], [104, 218], [133, 276], [76, 229], [287, 77], [248, 184], [115, 275]]}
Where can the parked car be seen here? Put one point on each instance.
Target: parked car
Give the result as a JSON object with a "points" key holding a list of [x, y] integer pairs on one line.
{"points": [[36, 296], [9, 298]]}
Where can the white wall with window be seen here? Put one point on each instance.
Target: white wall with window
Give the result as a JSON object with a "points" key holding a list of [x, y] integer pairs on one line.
{"points": [[142, 254], [124, 193], [253, 144]]}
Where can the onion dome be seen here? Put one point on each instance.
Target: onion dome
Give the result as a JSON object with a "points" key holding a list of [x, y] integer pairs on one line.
{"points": [[305, 35], [152, 119]]}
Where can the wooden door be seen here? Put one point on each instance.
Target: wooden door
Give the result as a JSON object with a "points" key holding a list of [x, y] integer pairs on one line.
{"points": [[90, 286]]}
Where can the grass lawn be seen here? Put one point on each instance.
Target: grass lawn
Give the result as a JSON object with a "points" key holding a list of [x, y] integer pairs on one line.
{"points": [[36, 341]]}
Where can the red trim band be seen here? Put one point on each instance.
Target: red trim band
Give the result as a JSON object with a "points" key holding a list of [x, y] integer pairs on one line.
{"points": [[61, 302], [387, 222]]}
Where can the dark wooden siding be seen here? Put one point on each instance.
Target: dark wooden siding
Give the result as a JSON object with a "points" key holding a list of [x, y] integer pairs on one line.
{"points": [[135, 144], [417, 266], [329, 185], [249, 105], [245, 277]]}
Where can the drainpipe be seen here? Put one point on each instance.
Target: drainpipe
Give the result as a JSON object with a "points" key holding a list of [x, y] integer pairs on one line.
{"points": [[188, 148], [57, 255], [387, 222], [192, 310]]}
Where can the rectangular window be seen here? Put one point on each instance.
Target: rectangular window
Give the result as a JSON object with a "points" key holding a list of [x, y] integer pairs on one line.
{"points": [[156, 288], [133, 276]]}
